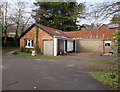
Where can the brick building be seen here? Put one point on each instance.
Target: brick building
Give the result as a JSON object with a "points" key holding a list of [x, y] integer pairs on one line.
{"points": [[53, 41], [94, 41]]}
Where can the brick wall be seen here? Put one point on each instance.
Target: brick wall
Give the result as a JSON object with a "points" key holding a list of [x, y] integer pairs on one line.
{"points": [[111, 48], [32, 35]]}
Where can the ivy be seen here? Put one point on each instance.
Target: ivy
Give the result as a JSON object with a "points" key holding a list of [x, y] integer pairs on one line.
{"points": [[37, 49]]}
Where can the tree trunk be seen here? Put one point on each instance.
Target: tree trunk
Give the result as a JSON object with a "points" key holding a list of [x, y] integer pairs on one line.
{"points": [[5, 37], [16, 35]]}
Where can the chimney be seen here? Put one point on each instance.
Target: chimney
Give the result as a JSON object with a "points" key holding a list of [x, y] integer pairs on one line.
{"points": [[92, 26]]}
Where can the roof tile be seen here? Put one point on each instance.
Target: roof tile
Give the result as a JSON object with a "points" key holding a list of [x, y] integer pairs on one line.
{"points": [[53, 31], [108, 33]]}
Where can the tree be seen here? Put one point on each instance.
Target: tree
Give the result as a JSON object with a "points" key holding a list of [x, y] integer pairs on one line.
{"points": [[6, 22], [19, 19], [1, 24], [59, 15], [104, 11], [111, 10], [117, 54], [116, 19], [1, 20]]}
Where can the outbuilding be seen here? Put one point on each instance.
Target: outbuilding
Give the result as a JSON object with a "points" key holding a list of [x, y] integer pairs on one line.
{"points": [[94, 41], [50, 41]]}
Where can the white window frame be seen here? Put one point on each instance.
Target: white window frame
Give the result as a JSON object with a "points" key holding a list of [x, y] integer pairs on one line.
{"points": [[29, 41], [107, 42]]}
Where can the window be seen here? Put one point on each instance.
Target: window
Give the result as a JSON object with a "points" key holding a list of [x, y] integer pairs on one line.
{"points": [[107, 43], [29, 43]]}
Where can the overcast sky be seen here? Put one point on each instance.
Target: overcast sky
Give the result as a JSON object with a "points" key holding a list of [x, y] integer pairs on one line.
{"points": [[29, 8]]}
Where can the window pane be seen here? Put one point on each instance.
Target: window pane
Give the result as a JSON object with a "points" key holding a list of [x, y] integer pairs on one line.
{"points": [[32, 43], [107, 44], [28, 42]]}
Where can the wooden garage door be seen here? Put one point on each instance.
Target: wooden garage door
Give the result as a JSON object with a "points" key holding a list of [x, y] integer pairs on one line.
{"points": [[48, 47]]}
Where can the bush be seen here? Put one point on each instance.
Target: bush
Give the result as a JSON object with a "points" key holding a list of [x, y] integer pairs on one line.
{"points": [[37, 49], [23, 49]]}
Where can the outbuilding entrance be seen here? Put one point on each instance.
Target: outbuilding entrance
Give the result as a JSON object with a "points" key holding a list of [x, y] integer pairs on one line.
{"points": [[48, 47]]}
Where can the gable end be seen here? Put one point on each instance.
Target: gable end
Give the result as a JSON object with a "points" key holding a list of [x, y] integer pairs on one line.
{"points": [[44, 30], [31, 28]]}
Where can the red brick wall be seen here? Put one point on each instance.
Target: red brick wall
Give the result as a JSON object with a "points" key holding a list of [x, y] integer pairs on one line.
{"points": [[32, 35], [104, 28]]}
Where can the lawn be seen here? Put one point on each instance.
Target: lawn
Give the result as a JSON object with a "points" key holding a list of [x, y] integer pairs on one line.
{"points": [[101, 61], [107, 78], [29, 55]]}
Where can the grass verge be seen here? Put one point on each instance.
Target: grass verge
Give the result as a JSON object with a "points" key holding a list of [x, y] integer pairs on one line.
{"points": [[107, 78], [101, 61], [29, 55]]}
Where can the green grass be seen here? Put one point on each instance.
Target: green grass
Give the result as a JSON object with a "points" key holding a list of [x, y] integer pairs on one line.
{"points": [[29, 55], [102, 61], [105, 78]]}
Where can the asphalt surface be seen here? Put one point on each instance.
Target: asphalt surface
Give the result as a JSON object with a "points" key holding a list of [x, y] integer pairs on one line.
{"points": [[56, 73]]}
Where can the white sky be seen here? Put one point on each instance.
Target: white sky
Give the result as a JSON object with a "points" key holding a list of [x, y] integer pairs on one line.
{"points": [[79, 1]]}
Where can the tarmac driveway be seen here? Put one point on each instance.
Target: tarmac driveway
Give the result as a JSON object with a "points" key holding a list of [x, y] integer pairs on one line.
{"points": [[56, 73]]}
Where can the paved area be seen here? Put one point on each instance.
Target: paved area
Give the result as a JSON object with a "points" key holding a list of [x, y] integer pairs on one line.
{"points": [[56, 73]]}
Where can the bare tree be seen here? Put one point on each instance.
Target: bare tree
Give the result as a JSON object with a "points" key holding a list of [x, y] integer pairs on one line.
{"points": [[19, 18], [104, 11], [16, 17], [6, 23], [110, 10], [1, 19]]}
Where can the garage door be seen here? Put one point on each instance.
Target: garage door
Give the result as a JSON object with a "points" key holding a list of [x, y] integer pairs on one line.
{"points": [[69, 45], [48, 47]]}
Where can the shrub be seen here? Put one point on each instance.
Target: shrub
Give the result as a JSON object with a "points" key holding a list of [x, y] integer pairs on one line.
{"points": [[22, 49]]}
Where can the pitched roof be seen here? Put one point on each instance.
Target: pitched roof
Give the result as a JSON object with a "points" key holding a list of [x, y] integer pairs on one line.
{"points": [[102, 32], [49, 30], [113, 25], [107, 33], [53, 31], [89, 27]]}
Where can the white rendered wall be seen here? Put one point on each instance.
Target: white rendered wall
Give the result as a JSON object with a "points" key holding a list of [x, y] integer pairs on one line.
{"points": [[55, 46]]}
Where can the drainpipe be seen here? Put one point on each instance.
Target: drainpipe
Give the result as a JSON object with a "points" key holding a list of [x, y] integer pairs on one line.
{"points": [[55, 46]]}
